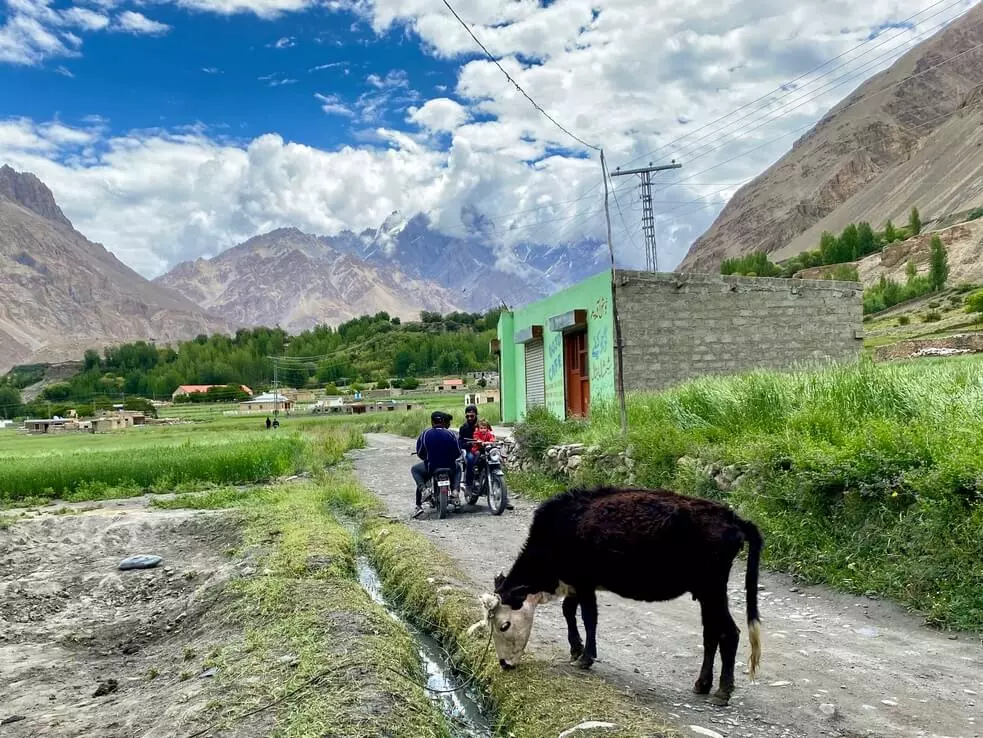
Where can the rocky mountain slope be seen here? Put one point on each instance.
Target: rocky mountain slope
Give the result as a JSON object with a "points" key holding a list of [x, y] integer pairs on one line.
{"points": [[471, 267], [296, 280], [910, 135], [61, 294]]}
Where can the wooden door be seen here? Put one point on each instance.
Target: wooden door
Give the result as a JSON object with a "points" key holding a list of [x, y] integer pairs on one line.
{"points": [[575, 365]]}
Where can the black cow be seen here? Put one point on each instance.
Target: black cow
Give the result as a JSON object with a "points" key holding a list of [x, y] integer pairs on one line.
{"points": [[642, 544]]}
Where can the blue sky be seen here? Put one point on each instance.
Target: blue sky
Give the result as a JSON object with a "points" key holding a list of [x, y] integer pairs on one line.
{"points": [[241, 75], [173, 129]]}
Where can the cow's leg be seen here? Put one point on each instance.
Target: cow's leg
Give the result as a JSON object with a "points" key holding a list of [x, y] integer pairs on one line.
{"points": [[729, 637], [570, 603], [711, 636], [588, 611]]}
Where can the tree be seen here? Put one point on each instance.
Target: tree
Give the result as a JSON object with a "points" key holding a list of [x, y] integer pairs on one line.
{"points": [[827, 248], [973, 303], [847, 247], [890, 233], [911, 271], [938, 273], [866, 243], [914, 222], [410, 383], [91, 360], [10, 402]]}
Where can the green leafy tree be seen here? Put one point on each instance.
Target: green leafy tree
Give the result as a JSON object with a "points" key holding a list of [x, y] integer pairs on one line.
{"points": [[866, 243], [848, 245], [828, 248], [10, 402], [938, 273], [910, 270], [890, 233], [914, 222], [974, 304]]}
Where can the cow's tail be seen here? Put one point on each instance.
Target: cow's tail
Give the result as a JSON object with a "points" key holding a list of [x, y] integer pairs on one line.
{"points": [[755, 544]]}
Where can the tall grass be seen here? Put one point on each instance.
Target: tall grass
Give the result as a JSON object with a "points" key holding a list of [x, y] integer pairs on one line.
{"points": [[156, 462], [868, 477]]}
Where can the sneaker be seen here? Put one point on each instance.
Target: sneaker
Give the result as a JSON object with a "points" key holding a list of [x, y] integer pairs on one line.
{"points": [[417, 512]]}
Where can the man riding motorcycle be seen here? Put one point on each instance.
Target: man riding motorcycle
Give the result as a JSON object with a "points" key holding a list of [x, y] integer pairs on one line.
{"points": [[438, 449], [465, 438]]}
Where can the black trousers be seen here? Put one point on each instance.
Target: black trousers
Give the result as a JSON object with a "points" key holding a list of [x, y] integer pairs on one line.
{"points": [[421, 476]]}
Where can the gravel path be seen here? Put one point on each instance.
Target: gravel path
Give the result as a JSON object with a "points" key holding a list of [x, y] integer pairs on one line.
{"points": [[882, 672]]}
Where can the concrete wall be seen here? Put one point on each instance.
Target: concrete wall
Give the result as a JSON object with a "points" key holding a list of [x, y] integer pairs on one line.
{"points": [[679, 326], [592, 295]]}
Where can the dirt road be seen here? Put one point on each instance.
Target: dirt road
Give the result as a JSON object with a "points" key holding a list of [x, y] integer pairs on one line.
{"points": [[883, 673]]}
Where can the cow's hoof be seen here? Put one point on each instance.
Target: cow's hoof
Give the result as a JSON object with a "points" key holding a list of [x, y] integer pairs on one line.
{"points": [[584, 662], [576, 652], [702, 686], [720, 699]]}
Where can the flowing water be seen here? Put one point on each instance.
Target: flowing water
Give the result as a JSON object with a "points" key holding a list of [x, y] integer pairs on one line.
{"points": [[461, 706]]}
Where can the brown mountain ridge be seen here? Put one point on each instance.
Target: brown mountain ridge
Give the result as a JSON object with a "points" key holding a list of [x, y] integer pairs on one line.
{"points": [[911, 135]]}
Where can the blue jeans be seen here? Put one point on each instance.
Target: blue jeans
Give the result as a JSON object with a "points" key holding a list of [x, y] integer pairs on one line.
{"points": [[469, 460]]}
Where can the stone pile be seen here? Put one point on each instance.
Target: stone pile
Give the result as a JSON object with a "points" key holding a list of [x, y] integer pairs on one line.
{"points": [[726, 478]]}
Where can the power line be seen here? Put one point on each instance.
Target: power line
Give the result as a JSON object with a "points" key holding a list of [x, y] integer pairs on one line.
{"points": [[516, 84], [780, 88], [770, 116]]}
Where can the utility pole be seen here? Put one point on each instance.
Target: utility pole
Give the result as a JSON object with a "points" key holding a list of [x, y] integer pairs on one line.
{"points": [[648, 214], [276, 390], [619, 377]]}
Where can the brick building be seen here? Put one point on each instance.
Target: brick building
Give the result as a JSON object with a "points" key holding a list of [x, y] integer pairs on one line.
{"points": [[560, 351]]}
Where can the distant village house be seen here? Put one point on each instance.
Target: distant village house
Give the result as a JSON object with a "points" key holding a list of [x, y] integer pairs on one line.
{"points": [[450, 385], [266, 403], [190, 389]]}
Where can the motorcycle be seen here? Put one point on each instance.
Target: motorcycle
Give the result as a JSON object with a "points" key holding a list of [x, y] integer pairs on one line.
{"points": [[489, 470]]}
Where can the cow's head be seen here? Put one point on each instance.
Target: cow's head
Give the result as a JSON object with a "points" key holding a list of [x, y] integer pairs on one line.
{"points": [[509, 615]]}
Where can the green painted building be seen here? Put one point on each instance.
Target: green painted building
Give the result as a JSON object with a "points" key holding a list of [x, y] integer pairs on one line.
{"points": [[560, 351]]}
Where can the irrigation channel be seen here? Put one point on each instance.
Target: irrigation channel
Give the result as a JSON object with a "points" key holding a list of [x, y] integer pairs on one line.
{"points": [[461, 706]]}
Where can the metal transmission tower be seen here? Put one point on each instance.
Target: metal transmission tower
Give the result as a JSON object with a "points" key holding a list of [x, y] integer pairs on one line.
{"points": [[648, 214]]}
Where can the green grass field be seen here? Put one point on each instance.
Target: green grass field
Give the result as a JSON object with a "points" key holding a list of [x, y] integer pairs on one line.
{"points": [[87, 466], [868, 477]]}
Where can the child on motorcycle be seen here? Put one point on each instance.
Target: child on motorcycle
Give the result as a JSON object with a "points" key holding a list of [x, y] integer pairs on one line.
{"points": [[482, 433]]}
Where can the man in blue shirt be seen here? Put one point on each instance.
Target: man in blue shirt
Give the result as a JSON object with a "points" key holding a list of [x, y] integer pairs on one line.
{"points": [[438, 448]]}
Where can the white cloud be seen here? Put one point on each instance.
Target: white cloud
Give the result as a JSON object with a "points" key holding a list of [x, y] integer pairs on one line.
{"points": [[273, 80], [64, 71], [634, 75], [284, 43], [130, 21], [439, 114], [333, 105], [85, 18], [212, 70]]}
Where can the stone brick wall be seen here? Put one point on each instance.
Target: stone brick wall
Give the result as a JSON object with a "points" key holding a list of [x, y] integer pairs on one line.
{"points": [[679, 326]]}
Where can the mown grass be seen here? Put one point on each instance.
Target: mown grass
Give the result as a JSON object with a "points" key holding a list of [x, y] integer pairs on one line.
{"points": [[303, 617], [869, 478], [84, 467]]}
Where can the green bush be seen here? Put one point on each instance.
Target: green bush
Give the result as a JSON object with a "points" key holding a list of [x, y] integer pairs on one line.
{"points": [[933, 316], [866, 477], [904, 320]]}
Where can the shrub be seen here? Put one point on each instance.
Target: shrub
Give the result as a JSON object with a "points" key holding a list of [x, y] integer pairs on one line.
{"points": [[933, 316], [904, 320]]}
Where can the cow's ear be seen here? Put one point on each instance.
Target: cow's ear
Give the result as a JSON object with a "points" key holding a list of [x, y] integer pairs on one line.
{"points": [[539, 598]]}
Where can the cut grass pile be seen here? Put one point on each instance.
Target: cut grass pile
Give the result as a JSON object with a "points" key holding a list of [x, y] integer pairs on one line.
{"points": [[867, 477], [304, 617], [85, 467]]}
